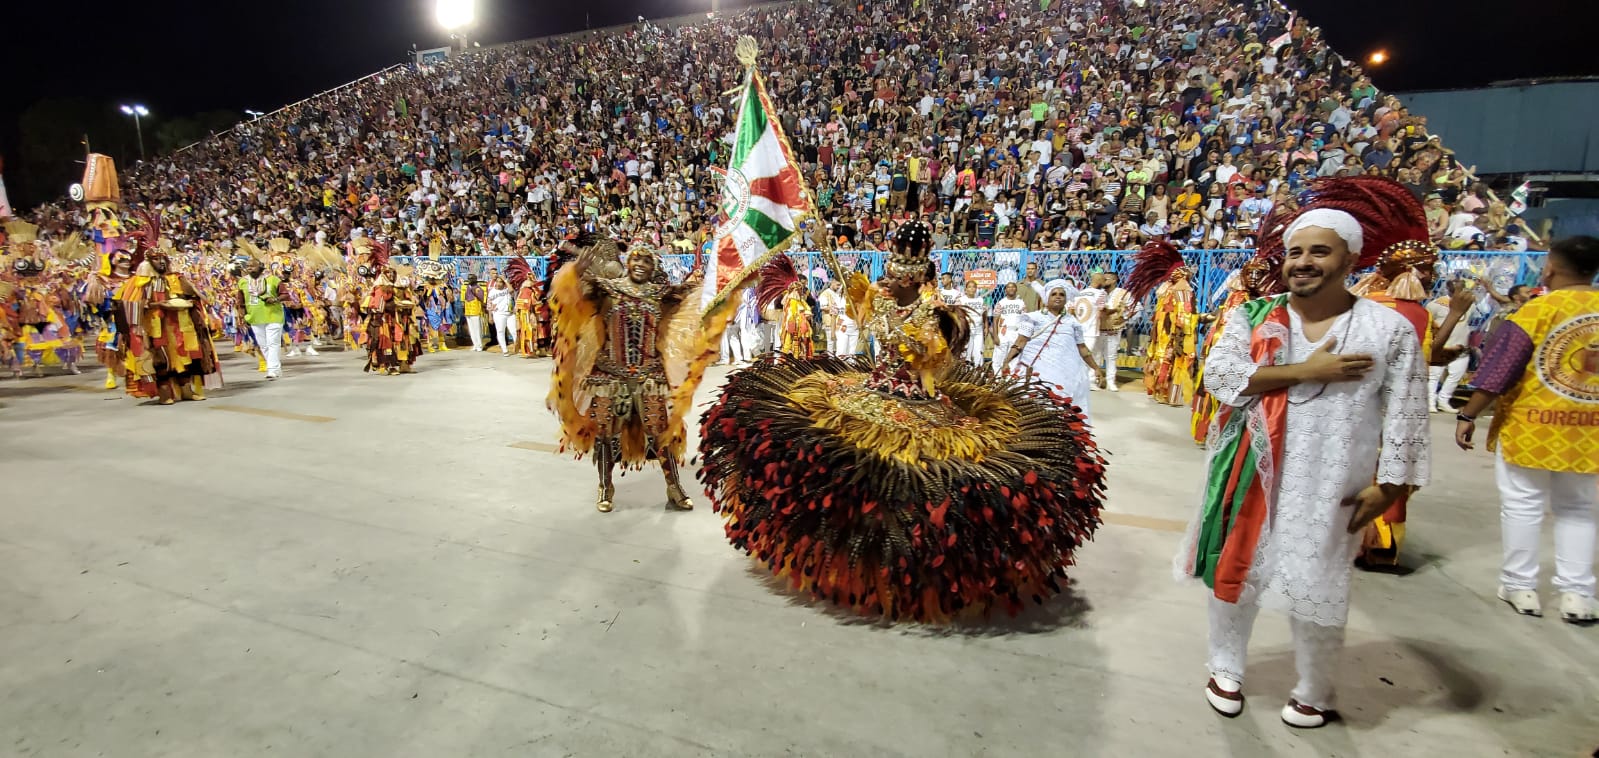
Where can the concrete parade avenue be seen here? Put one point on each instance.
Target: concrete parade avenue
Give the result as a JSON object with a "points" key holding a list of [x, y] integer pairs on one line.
{"points": [[347, 564]]}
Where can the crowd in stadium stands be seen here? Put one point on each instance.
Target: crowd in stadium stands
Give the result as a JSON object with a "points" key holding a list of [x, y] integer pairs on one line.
{"points": [[1084, 124]]}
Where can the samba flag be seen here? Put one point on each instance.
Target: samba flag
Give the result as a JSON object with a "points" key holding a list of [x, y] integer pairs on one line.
{"points": [[763, 200], [1518, 198], [763, 194]]}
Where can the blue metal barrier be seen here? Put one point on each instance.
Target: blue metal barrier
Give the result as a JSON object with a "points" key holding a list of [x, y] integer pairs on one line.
{"points": [[1501, 269]]}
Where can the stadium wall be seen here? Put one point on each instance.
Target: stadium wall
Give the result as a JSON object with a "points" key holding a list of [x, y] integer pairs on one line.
{"points": [[1516, 129]]}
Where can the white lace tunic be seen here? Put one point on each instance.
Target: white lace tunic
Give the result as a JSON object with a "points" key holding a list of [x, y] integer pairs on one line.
{"points": [[1339, 437]]}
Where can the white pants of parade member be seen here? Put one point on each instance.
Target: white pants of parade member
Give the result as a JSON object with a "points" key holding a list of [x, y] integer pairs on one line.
{"points": [[1002, 349], [733, 344], [974, 348], [269, 338], [1105, 348], [1316, 650], [501, 318], [474, 329], [1524, 494], [848, 340], [1443, 380]]}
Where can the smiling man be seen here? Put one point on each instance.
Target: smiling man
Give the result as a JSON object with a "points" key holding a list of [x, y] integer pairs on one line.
{"points": [[1324, 424]]}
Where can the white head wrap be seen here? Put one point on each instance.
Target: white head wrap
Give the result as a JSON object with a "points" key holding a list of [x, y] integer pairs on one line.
{"points": [[1339, 222], [1060, 284]]}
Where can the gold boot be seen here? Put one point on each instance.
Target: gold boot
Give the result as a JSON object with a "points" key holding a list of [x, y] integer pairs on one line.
{"points": [[676, 498], [602, 460]]}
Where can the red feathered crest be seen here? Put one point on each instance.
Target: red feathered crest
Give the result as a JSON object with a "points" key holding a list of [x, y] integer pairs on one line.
{"points": [[776, 277], [1387, 212], [1151, 266], [517, 272], [146, 237]]}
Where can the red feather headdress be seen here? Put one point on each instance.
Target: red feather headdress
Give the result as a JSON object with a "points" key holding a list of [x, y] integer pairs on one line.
{"points": [[517, 272], [1154, 264], [776, 276]]}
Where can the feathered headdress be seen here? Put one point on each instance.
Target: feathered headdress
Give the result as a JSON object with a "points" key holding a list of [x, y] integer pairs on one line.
{"points": [[776, 276], [1152, 265], [1389, 215], [1261, 276], [1393, 226], [517, 272]]}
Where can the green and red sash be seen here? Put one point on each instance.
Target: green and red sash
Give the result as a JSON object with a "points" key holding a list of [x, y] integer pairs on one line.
{"points": [[1240, 488]]}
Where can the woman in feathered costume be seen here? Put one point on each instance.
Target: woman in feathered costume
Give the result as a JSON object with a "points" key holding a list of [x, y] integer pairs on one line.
{"points": [[912, 486], [526, 307], [622, 341], [1169, 361]]}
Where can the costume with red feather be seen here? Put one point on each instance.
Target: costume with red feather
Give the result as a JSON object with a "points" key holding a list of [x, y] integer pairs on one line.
{"points": [[911, 486], [1169, 364]]}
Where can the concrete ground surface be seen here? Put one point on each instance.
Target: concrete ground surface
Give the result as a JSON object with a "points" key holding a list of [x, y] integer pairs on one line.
{"points": [[340, 564]]}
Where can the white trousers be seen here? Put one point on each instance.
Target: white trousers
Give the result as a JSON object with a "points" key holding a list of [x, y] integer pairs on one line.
{"points": [[474, 328], [974, 347], [733, 346], [1106, 347], [1002, 349], [847, 341], [1317, 649], [500, 331], [1524, 493], [269, 338], [1450, 376]]}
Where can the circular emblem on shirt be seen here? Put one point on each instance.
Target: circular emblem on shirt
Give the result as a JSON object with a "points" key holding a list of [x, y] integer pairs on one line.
{"points": [[1568, 360], [1083, 309]]}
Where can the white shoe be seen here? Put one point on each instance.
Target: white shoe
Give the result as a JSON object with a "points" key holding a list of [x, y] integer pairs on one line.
{"points": [[72, 368], [1577, 609], [309, 350], [1110, 384], [1301, 716], [293, 353], [271, 376], [1524, 601], [1224, 696]]}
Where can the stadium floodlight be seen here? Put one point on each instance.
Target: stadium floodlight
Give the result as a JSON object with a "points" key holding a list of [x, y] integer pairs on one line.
{"points": [[137, 112], [454, 14], [1378, 58], [253, 114]]}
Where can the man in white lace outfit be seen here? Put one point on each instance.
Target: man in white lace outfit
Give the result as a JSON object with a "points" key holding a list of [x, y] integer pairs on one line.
{"points": [[1331, 391]]}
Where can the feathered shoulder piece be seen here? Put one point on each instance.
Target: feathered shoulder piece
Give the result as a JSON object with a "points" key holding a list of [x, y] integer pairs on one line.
{"points": [[775, 278], [1151, 266], [517, 272]]}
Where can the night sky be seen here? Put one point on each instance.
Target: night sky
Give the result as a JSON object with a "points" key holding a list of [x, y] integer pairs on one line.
{"points": [[191, 56]]}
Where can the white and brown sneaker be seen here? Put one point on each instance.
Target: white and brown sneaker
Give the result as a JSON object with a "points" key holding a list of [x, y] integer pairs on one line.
{"points": [[1524, 601], [1577, 609], [1301, 716], [1225, 696]]}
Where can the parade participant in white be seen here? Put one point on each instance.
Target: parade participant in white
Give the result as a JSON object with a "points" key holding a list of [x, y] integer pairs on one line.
{"points": [[1356, 412], [842, 331], [976, 311], [1086, 308], [1007, 313], [1050, 347], [1117, 310]]}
